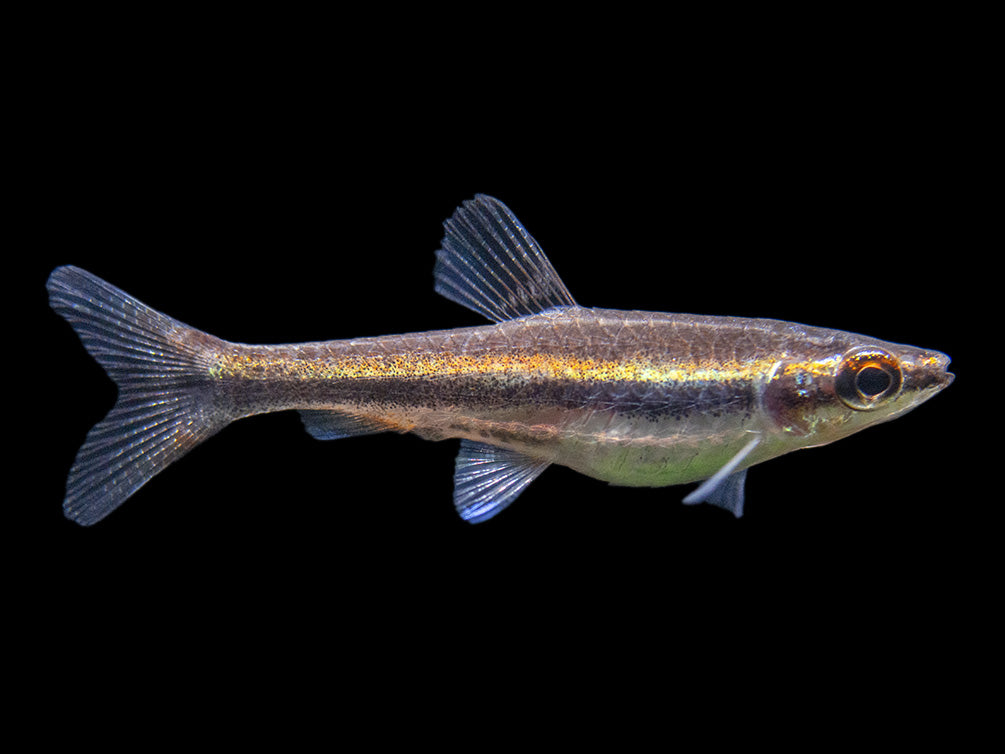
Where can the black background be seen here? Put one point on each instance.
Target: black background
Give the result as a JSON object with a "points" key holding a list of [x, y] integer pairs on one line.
{"points": [[281, 196]]}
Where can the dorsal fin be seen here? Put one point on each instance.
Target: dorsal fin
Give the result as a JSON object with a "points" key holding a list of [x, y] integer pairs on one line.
{"points": [[489, 263]]}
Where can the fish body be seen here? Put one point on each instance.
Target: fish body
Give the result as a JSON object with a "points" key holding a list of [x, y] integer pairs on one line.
{"points": [[631, 398]]}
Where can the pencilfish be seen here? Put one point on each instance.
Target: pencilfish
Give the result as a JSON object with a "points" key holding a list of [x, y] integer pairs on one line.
{"points": [[632, 398]]}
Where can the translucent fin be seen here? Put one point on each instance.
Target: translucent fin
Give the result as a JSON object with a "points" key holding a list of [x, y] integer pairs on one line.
{"points": [[725, 488], [487, 479], [164, 406], [729, 493], [489, 263], [333, 425]]}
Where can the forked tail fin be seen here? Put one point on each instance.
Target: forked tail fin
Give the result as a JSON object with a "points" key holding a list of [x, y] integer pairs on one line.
{"points": [[165, 405]]}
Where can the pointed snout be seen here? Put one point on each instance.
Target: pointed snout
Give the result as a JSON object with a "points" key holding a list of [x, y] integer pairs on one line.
{"points": [[928, 371]]}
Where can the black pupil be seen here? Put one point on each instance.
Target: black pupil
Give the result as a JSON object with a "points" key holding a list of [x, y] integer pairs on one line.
{"points": [[872, 381]]}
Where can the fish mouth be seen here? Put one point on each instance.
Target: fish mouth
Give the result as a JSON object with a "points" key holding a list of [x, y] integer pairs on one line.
{"points": [[930, 372], [946, 376]]}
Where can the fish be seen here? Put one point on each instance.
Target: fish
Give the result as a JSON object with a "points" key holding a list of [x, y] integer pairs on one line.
{"points": [[633, 398]]}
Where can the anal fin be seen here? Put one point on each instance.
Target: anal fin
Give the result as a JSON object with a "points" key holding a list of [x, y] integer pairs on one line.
{"points": [[487, 479], [334, 425]]}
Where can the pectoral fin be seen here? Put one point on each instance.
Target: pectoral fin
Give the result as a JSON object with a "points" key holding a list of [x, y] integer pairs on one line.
{"points": [[725, 488], [487, 479]]}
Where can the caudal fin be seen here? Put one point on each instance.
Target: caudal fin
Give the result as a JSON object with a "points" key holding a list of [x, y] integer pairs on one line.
{"points": [[164, 406]]}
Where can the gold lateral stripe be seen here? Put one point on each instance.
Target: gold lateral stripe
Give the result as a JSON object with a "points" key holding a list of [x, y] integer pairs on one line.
{"points": [[252, 365]]}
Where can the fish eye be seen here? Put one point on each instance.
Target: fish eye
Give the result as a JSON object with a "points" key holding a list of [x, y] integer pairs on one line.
{"points": [[867, 378], [872, 381]]}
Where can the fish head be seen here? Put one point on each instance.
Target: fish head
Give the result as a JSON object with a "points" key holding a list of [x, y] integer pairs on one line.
{"points": [[848, 384]]}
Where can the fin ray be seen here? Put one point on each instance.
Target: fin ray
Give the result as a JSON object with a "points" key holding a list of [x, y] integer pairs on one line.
{"points": [[725, 488], [487, 479], [489, 263], [335, 425], [164, 406]]}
